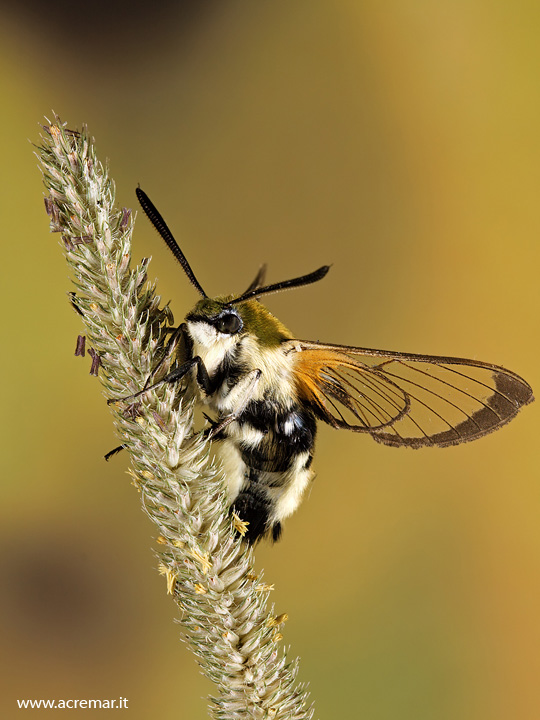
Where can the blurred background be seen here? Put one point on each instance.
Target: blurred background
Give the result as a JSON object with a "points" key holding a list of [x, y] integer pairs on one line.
{"points": [[398, 142]]}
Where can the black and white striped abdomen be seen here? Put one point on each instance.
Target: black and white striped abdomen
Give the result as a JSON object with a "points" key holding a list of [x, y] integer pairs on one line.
{"points": [[267, 453]]}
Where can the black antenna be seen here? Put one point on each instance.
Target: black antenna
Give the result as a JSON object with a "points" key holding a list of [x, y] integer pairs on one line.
{"points": [[285, 285], [161, 226], [258, 282]]}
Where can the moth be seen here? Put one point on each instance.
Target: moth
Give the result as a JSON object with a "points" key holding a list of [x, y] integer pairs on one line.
{"points": [[267, 390]]}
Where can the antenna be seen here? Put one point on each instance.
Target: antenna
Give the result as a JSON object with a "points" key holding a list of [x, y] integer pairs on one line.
{"points": [[161, 226], [285, 285]]}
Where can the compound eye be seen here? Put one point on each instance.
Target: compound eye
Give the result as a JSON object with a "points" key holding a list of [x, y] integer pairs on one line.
{"points": [[229, 324]]}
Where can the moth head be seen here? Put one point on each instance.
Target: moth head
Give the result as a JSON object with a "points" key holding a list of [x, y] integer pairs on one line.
{"points": [[227, 320], [212, 320]]}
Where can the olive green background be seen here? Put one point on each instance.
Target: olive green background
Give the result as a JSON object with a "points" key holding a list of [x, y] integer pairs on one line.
{"points": [[398, 141]]}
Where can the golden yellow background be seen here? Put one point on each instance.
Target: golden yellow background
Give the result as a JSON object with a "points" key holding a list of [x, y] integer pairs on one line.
{"points": [[398, 141]]}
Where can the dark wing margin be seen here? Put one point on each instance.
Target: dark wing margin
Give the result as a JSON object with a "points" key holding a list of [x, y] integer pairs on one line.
{"points": [[407, 400]]}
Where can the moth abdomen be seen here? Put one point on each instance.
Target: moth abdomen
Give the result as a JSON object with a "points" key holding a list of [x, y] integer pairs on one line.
{"points": [[274, 446]]}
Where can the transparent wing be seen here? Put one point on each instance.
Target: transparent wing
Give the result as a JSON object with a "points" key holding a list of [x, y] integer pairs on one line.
{"points": [[409, 400]]}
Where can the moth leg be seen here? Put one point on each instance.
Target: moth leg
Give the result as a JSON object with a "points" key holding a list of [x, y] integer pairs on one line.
{"points": [[203, 379], [177, 334], [73, 302], [175, 376], [239, 396], [114, 451]]}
